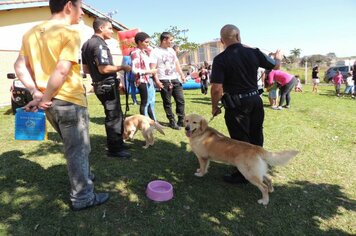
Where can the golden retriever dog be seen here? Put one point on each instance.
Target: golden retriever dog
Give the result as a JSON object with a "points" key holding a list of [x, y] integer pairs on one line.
{"points": [[251, 160], [139, 122]]}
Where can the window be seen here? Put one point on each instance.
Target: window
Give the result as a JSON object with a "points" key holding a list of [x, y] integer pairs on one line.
{"points": [[201, 54], [214, 50]]}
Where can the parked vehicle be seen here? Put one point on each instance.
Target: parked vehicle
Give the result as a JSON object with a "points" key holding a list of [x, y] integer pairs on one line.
{"points": [[331, 72], [20, 96]]}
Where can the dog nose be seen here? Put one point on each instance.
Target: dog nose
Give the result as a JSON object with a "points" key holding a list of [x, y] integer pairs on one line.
{"points": [[187, 127]]}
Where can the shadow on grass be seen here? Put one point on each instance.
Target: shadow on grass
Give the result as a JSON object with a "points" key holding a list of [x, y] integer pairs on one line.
{"points": [[203, 99], [328, 93], [34, 199]]}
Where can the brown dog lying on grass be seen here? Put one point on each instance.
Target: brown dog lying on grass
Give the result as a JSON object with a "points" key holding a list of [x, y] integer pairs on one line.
{"points": [[139, 122], [251, 160]]}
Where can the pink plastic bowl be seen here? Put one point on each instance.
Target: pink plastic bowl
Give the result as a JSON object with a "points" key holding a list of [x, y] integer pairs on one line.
{"points": [[159, 191]]}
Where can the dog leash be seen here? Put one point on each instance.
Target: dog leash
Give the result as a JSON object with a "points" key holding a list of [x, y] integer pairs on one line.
{"points": [[215, 114]]}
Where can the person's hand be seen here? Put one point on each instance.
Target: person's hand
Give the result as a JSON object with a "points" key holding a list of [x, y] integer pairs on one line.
{"points": [[159, 85], [216, 111], [32, 106], [126, 68], [183, 79], [278, 54], [45, 104]]}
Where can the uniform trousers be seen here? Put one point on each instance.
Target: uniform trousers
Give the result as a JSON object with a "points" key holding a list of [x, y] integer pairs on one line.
{"points": [[113, 117]]}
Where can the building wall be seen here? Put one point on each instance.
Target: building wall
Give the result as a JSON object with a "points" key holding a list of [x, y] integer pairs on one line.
{"points": [[14, 23], [205, 52]]}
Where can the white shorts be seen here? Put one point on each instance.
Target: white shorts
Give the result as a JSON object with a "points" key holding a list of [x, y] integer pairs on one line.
{"points": [[316, 81]]}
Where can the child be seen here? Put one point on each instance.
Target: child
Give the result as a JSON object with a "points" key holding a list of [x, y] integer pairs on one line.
{"points": [[315, 78], [337, 80], [273, 95], [349, 85], [298, 86]]}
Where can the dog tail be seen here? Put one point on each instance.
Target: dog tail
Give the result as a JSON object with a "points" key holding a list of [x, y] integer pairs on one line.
{"points": [[158, 127], [279, 158]]}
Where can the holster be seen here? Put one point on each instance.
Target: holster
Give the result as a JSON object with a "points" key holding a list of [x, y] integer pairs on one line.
{"points": [[230, 101], [101, 88]]}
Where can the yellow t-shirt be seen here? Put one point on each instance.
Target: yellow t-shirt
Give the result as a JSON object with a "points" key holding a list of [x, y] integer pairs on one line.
{"points": [[47, 43]]}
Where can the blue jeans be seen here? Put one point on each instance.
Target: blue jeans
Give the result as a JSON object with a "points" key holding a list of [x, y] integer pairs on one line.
{"points": [[71, 122], [349, 89]]}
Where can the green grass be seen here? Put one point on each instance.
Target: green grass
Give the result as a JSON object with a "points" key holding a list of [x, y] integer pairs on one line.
{"points": [[301, 72], [314, 195]]}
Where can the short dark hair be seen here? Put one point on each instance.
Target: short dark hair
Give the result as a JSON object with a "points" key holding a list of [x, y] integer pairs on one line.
{"points": [[57, 6], [98, 22], [165, 35], [141, 36]]}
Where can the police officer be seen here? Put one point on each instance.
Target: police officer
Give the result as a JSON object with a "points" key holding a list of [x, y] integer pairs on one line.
{"points": [[98, 61], [234, 81]]}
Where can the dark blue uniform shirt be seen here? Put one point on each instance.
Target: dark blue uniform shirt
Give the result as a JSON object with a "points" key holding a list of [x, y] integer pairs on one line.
{"points": [[236, 68], [95, 52]]}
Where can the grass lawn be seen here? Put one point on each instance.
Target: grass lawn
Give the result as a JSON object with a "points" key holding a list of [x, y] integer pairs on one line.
{"points": [[314, 195]]}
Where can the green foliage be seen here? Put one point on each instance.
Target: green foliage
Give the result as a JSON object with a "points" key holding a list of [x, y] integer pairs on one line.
{"points": [[301, 72], [316, 59], [315, 194]]}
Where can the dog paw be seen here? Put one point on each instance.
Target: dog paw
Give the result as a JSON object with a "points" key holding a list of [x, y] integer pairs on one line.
{"points": [[198, 174], [263, 202]]}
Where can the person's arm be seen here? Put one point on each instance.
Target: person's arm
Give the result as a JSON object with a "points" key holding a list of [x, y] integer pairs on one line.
{"points": [[158, 83], [85, 69], [108, 69], [24, 73], [55, 82], [271, 77], [216, 94], [278, 56], [180, 72]]}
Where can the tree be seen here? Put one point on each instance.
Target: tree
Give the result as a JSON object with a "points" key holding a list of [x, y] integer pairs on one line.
{"points": [[296, 52], [315, 59], [331, 55], [179, 38]]}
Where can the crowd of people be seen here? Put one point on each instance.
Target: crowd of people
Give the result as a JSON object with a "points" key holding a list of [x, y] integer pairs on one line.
{"points": [[58, 89]]}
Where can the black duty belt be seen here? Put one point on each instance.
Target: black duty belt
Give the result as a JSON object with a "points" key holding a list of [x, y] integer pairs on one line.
{"points": [[106, 81], [245, 95]]}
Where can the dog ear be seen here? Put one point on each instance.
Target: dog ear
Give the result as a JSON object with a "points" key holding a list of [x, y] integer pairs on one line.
{"points": [[203, 124]]}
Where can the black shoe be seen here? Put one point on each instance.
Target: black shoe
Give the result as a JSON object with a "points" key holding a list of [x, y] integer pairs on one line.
{"points": [[99, 198], [125, 146], [120, 154], [173, 125], [235, 178], [180, 123]]}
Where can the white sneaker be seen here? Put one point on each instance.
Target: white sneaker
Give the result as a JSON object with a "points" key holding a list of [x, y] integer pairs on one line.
{"points": [[279, 108]]}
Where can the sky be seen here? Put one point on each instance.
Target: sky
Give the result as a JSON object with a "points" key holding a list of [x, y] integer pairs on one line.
{"points": [[314, 26]]}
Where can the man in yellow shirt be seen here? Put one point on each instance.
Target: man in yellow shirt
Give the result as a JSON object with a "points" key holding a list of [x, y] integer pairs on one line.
{"points": [[48, 67]]}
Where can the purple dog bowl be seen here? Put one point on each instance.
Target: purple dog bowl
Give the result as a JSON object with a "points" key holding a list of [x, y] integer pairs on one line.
{"points": [[159, 191]]}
